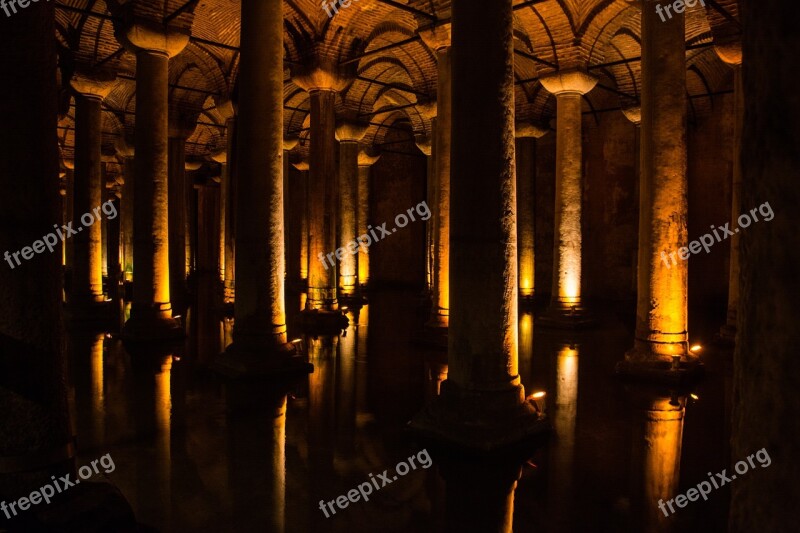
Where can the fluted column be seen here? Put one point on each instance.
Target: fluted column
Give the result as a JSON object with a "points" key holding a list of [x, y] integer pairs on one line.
{"points": [[661, 338], [151, 312], [482, 403], [366, 159], [732, 54], [566, 305], [89, 186], [349, 134], [526, 134]]}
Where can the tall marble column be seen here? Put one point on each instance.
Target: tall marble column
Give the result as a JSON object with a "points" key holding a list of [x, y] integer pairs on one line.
{"points": [[425, 144], [660, 347], [526, 134], [151, 312], [349, 134], [566, 306], [125, 155], [259, 332], [482, 403], [89, 188], [732, 54], [366, 158]]}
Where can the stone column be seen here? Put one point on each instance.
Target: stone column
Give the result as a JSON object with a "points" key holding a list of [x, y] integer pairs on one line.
{"points": [[289, 144], [89, 188], [322, 204], [566, 307], [482, 403], [35, 435], [221, 157], [230, 212], [526, 134], [440, 294], [425, 144], [732, 54], [151, 312], [178, 187], [366, 159], [125, 154], [660, 347], [303, 166], [259, 336], [349, 134]]}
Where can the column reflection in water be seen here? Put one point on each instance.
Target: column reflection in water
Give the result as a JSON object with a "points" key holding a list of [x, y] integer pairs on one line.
{"points": [[562, 455], [363, 414], [479, 495], [526, 348], [256, 446], [346, 390], [163, 417], [656, 456], [321, 401], [88, 388]]}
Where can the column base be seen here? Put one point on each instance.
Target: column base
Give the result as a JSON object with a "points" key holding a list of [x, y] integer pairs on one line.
{"points": [[146, 326], [270, 362], [561, 317], [480, 421], [320, 322], [352, 301], [649, 367]]}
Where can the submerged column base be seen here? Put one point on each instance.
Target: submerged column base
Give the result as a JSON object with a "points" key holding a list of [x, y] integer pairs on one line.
{"points": [[478, 420], [149, 324], [566, 315], [649, 362], [323, 322], [243, 362]]}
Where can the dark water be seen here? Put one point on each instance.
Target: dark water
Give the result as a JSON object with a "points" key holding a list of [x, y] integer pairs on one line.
{"points": [[188, 461]]}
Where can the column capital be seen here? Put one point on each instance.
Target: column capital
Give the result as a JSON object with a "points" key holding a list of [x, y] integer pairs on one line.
{"points": [[730, 52], [123, 147], [428, 109], [323, 75], [227, 108], [368, 157], [436, 36], [289, 143], [350, 131], [424, 143], [573, 81], [634, 114], [93, 85], [143, 35], [530, 130], [220, 156], [300, 162]]}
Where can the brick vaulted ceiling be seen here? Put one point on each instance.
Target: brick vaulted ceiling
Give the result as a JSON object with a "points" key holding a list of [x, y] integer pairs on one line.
{"points": [[601, 35]]}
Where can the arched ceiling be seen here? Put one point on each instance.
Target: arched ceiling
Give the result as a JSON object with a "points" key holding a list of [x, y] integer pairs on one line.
{"points": [[394, 71]]}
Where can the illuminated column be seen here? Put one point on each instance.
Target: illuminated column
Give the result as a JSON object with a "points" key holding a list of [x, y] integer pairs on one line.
{"points": [[349, 134], [366, 159], [180, 129], [303, 166], [125, 153], [732, 54], [526, 134], [113, 234], [440, 295], [151, 312], [69, 182], [482, 403], [425, 145], [565, 301], [259, 335], [322, 203], [221, 157], [36, 440], [661, 338], [89, 186], [289, 144], [230, 212]]}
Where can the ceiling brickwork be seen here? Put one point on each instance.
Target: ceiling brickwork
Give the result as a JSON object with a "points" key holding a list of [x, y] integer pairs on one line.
{"points": [[600, 35]]}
